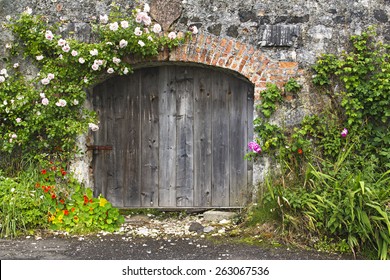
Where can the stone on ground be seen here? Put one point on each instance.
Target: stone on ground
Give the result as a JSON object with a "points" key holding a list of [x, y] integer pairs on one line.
{"points": [[217, 216]]}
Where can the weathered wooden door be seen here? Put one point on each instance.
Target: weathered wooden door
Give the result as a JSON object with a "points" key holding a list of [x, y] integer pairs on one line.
{"points": [[178, 137]]}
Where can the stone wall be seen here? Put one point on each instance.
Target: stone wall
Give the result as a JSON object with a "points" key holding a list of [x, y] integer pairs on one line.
{"points": [[263, 40]]}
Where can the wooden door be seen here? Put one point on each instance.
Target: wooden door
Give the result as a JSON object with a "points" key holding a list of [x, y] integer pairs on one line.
{"points": [[178, 135]]}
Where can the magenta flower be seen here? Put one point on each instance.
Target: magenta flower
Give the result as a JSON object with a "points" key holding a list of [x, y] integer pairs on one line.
{"points": [[254, 147], [344, 133]]}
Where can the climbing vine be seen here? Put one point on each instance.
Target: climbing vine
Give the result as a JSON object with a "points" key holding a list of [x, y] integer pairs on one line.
{"points": [[44, 114]]}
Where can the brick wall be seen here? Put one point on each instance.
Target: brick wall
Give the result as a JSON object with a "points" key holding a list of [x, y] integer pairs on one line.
{"points": [[230, 54]]}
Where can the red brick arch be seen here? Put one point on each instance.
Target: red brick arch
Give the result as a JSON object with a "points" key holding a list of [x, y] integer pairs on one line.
{"points": [[233, 55]]}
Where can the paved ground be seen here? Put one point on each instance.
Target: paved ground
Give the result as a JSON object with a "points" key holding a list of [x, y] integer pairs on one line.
{"points": [[117, 247], [145, 237]]}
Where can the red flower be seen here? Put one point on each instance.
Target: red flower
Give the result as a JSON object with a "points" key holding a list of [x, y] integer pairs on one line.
{"points": [[91, 200], [53, 168], [66, 212], [73, 209], [63, 172], [43, 171], [300, 151], [37, 185], [53, 196], [86, 200], [45, 189], [62, 201]]}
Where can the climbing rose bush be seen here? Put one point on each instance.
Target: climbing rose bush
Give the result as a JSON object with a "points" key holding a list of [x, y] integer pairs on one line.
{"points": [[43, 114]]}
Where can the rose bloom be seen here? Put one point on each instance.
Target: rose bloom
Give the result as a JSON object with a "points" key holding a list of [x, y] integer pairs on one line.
{"points": [[45, 101], [18, 120], [114, 26], [253, 146], [116, 60], [49, 35], [124, 24], [172, 35], [75, 102], [194, 29], [42, 95], [344, 133], [16, 65], [122, 43], [74, 53], [104, 19], [50, 76], [147, 20], [93, 127], [110, 71], [125, 71], [95, 67], [81, 60], [146, 8], [98, 62], [39, 57], [141, 43], [61, 42], [45, 81], [14, 136], [138, 31], [61, 103], [94, 52], [2, 79], [150, 38], [157, 28], [66, 48], [140, 17]]}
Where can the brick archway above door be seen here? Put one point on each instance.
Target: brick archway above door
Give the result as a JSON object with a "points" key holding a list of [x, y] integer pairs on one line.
{"points": [[230, 54]]}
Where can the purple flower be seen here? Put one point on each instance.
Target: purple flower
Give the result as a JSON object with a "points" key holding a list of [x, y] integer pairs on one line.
{"points": [[254, 147], [344, 133]]}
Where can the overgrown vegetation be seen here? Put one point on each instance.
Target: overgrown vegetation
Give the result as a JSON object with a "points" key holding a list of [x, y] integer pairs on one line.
{"points": [[42, 115], [333, 184]]}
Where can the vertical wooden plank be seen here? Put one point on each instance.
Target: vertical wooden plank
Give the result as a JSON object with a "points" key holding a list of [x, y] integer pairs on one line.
{"points": [[132, 169], [184, 169], [167, 137], [108, 157], [99, 137], [202, 138], [149, 137], [220, 141], [238, 139], [250, 116]]}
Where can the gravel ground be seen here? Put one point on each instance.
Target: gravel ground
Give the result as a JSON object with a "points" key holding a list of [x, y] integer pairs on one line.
{"points": [[149, 238]]}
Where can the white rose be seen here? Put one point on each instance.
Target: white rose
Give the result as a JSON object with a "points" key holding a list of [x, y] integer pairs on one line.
{"points": [[81, 60], [124, 24], [114, 26], [103, 19], [123, 43], [94, 52], [110, 71], [141, 43]]}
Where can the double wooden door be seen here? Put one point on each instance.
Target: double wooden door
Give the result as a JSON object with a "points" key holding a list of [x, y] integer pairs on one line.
{"points": [[173, 136]]}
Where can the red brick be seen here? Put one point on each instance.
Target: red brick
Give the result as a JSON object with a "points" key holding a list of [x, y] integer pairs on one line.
{"points": [[288, 64]]}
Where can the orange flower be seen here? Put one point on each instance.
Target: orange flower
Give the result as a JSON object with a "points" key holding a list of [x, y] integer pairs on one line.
{"points": [[66, 212], [300, 151], [43, 171], [63, 172], [73, 209], [62, 201], [53, 196], [37, 185]]}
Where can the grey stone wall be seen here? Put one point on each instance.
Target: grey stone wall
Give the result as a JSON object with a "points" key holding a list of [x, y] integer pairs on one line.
{"points": [[309, 27], [289, 30]]}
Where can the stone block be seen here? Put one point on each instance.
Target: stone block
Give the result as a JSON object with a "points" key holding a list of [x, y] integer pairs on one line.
{"points": [[217, 216]]}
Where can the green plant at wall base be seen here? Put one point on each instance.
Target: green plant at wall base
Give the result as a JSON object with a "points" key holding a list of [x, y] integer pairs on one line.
{"points": [[20, 205], [269, 99], [362, 77], [72, 207], [292, 86]]}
